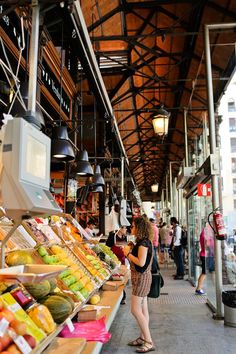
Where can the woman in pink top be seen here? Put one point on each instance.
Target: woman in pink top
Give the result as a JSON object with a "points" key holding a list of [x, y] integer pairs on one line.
{"points": [[202, 276], [155, 240]]}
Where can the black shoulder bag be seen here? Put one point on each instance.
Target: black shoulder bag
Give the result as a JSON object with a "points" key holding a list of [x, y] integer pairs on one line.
{"points": [[157, 280]]}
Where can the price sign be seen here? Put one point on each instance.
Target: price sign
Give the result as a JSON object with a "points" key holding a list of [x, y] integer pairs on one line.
{"points": [[204, 190], [70, 325]]}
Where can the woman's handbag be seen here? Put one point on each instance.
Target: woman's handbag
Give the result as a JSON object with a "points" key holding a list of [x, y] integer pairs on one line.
{"points": [[157, 280], [157, 284]]}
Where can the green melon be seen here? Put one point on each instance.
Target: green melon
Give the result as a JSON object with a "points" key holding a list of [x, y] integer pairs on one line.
{"points": [[59, 307], [39, 290]]}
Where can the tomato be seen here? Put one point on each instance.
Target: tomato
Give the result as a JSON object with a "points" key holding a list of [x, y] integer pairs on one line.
{"points": [[19, 327], [8, 315], [13, 349], [5, 341]]}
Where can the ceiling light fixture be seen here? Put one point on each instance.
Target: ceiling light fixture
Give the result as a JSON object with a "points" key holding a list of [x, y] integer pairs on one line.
{"points": [[154, 187], [61, 148], [160, 121]]}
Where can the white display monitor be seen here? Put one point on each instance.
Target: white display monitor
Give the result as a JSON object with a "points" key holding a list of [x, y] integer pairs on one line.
{"points": [[25, 180]]}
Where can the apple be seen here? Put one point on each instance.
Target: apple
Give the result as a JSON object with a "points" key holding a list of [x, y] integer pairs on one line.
{"points": [[19, 327], [5, 341]]}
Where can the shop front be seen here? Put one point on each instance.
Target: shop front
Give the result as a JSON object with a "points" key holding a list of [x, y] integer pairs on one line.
{"points": [[199, 209]]}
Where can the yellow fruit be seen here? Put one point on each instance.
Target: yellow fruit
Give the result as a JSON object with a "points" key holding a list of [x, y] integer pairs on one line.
{"points": [[94, 299], [89, 287]]}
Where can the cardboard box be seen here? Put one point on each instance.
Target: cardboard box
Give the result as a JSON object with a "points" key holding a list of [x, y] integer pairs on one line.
{"points": [[110, 285], [89, 313]]}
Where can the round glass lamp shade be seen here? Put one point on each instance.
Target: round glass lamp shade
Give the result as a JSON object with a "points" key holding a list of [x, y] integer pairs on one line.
{"points": [[98, 180], [160, 122], [83, 168], [154, 188]]}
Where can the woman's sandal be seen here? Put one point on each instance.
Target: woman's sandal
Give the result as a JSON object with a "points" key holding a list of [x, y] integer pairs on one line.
{"points": [[137, 342], [145, 348]]}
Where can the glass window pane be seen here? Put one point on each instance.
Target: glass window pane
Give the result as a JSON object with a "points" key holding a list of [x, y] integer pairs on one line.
{"points": [[234, 185], [233, 145], [233, 164], [232, 124], [231, 105]]}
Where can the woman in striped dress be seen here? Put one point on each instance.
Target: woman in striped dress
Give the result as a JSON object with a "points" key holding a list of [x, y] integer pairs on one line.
{"points": [[140, 258]]}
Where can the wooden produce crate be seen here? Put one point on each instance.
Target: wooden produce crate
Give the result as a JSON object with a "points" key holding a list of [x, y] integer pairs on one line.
{"points": [[98, 270], [76, 282], [40, 232], [20, 239], [65, 228]]}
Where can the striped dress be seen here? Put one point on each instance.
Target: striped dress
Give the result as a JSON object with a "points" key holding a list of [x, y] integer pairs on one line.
{"points": [[141, 282]]}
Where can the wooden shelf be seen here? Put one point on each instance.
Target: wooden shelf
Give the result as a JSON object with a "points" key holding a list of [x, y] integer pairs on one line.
{"points": [[113, 299]]}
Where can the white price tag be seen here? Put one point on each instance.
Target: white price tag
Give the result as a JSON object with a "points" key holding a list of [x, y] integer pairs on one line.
{"points": [[22, 345], [3, 326], [70, 325], [15, 307]]}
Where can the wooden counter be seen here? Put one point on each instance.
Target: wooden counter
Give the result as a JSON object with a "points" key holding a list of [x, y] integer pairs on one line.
{"points": [[108, 298]]}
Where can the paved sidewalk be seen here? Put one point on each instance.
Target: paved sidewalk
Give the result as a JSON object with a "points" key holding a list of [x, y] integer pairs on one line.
{"points": [[180, 322]]}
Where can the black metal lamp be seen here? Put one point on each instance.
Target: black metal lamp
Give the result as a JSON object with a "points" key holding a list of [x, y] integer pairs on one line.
{"points": [[97, 189], [83, 167], [98, 180], [61, 148]]}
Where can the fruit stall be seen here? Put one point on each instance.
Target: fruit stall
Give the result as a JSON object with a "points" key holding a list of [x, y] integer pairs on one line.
{"points": [[51, 276]]}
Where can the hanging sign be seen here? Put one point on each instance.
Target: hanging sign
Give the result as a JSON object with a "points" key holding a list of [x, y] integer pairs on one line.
{"points": [[204, 190]]}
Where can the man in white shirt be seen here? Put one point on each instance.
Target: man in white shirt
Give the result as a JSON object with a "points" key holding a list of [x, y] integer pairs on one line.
{"points": [[178, 249]]}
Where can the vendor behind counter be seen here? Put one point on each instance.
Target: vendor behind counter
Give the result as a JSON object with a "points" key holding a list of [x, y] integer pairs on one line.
{"points": [[116, 240]]}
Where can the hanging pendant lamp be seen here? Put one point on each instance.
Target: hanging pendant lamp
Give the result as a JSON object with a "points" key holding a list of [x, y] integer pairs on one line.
{"points": [[98, 180], [97, 189], [61, 148], [83, 167], [160, 121]]}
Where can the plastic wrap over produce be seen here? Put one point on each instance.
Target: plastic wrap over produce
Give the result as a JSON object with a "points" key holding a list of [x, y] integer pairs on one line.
{"points": [[91, 331]]}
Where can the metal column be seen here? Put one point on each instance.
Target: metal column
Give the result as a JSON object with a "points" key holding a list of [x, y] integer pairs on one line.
{"points": [[186, 137], [33, 59], [214, 179], [122, 176]]}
